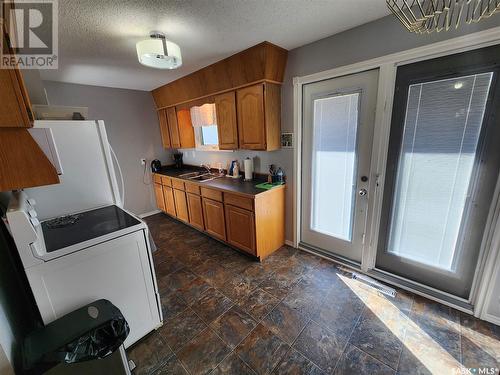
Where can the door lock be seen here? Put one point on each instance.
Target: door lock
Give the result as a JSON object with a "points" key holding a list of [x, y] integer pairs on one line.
{"points": [[362, 192]]}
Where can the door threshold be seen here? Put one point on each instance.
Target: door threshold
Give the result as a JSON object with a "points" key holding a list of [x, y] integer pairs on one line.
{"points": [[421, 290], [424, 291], [329, 256]]}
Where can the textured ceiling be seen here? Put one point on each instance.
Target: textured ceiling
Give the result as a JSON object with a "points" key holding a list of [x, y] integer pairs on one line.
{"points": [[97, 37]]}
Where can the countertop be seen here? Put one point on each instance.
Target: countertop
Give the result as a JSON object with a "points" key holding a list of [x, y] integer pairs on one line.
{"points": [[223, 183]]}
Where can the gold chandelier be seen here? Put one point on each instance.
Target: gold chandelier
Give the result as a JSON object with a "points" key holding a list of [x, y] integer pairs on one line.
{"points": [[427, 16]]}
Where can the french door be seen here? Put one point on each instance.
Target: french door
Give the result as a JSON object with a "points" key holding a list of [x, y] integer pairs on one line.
{"points": [[337, 134], [442, 169]]}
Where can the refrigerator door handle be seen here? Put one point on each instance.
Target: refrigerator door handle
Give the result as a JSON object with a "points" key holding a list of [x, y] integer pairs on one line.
{"points": [[122, 193]]}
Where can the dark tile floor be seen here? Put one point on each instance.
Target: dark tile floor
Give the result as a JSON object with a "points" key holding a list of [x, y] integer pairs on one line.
{"points": [[294, 313]]}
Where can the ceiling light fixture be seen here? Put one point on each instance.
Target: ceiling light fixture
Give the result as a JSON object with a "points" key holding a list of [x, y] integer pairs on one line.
{"points": [[427, 16], [158, 52]]}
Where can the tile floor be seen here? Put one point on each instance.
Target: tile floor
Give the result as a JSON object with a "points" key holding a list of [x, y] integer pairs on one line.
{"points": [[294, 313]]}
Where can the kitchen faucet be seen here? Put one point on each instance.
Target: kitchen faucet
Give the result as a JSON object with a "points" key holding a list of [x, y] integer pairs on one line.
{"points": [[207, 167]]}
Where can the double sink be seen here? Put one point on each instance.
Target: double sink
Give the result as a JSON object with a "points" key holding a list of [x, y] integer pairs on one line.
{"points": [[201, 176]]}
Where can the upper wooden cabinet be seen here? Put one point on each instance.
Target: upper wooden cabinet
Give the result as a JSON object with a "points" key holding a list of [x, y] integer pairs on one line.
{"points": [[173, 128], [165, 133], [15, 107], [262, 62], [176, 128], [185, 126], [227, 126], [22, 162], [259, 118], [251, 119], [245, 88]]}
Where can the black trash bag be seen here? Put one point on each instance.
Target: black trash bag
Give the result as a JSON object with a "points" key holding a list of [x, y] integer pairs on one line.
{"points": [[92, 332], [98, 343]]}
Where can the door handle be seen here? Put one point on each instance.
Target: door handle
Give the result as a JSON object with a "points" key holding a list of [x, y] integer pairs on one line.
{"points": [[362, 192]]}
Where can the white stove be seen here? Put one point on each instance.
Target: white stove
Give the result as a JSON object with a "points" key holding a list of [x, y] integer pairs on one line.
{"points": [[100, 251]]}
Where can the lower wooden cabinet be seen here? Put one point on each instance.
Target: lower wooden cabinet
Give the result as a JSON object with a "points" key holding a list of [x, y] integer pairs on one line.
{"points": [[181, 207], [253, 224], [213, 213], [195, 210], [160, 202], [240, 224], [168, 196]]}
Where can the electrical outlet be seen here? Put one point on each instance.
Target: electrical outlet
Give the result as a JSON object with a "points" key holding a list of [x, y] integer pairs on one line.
{"points": [[143, 161]]}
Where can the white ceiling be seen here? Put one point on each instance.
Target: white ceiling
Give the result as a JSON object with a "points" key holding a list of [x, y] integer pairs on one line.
{"points": [[97, 37]]}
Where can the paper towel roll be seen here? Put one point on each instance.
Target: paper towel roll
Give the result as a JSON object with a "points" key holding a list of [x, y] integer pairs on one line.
{"points": [[248, 165]]}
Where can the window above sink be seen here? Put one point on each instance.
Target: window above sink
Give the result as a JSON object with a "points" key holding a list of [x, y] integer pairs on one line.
{"points": [[204, 120]]}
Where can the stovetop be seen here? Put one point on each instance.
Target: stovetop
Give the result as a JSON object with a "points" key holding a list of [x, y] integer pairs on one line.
{"points": [[72, 229]]}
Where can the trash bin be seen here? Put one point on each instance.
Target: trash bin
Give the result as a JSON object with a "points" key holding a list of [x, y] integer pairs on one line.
{"points": [[87, 341]]}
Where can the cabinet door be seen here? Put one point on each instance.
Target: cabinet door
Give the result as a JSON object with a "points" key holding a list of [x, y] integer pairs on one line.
{"points": [[181, 205], [251, 118], [168, 196], [227, 128], [185, 126], [165, 134], [213, 212], [160, 202], [173, 127], [195, 211], [15, 108], [240, 225]]}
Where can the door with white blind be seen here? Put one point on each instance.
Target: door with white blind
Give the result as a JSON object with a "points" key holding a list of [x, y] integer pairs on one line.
{"points": [[337, 135], [442, 170]]}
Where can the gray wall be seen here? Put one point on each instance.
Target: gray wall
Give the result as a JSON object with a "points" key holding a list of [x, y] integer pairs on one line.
{"points": [[132, 128], [374, 39]]}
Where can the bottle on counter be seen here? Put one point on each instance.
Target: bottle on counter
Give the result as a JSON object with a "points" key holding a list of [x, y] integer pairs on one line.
{"points": [[280, 175], [236, 170]]}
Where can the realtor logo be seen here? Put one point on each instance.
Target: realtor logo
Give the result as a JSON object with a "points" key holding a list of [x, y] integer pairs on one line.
{"points": [[32, 34]]}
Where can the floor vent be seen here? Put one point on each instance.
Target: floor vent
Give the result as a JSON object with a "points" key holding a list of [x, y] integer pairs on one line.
{"points": [[388, 291]]}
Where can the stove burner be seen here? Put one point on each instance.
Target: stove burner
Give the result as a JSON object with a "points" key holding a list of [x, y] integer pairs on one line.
{"points": [[63, 221]]}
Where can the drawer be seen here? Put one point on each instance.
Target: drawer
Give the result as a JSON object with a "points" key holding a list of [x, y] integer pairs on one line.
{"points": [[177, 184], [212, 194], [239, 201], [167, 181], [192, 188], [156, 178]]}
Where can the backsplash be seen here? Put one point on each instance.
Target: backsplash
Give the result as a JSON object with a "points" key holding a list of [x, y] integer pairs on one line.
{"points": [[262, 159]]}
